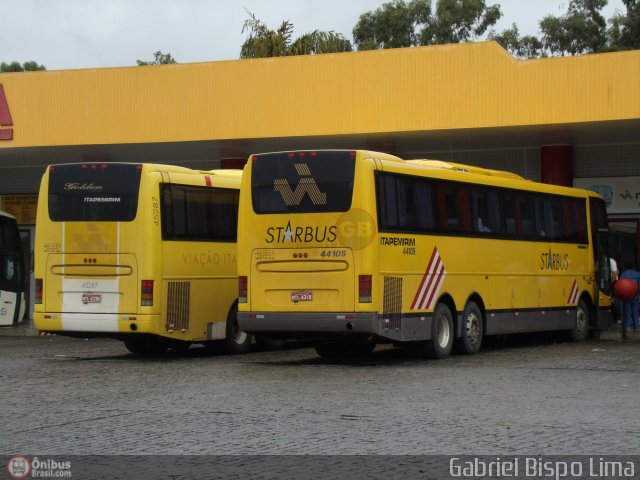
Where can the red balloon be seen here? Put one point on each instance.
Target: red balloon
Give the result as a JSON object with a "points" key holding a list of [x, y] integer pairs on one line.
{"points": [[625, 289]]}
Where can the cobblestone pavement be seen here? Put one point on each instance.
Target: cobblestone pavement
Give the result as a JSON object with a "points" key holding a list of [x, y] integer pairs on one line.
{"points": [[529, 396]]}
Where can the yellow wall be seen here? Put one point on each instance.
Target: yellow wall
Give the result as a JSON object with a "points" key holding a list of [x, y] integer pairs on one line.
{"points": [[471, 85]]}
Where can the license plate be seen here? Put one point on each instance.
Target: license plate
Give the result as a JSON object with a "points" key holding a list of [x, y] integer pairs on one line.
{"points": [[91, 298], [301, 296]]}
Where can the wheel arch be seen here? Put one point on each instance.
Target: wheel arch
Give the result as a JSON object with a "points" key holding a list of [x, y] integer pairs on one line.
{"points": [[233, 305], [586, 297]]}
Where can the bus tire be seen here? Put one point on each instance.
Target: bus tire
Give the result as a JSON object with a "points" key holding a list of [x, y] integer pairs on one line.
{"points": [[580, 331], [470, 339], [442, 334], [146, 346], [236, 341]]}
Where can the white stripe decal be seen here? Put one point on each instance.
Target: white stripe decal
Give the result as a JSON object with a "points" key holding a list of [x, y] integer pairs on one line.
{"points": [[430, 284], [573, 296]]}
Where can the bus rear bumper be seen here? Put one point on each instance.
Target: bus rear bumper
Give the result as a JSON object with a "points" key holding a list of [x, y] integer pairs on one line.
{"points": [[92, 324], [400, 329]]}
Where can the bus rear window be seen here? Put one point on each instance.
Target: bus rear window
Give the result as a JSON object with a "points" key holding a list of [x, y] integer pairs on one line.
{"points": [[94, 192], [302, 182]]}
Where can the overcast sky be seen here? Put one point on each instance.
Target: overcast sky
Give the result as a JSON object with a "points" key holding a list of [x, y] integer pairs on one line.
{"points": [[65, 34]]}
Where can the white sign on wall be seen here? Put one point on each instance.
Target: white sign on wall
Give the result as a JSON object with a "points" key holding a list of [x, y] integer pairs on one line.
{"points": [[622, 194]]}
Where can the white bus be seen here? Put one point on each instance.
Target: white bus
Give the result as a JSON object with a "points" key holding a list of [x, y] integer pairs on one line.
{"points": [[12, 304]]}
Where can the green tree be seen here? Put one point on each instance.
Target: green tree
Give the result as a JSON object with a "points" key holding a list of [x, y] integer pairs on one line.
{"points": [[582, 29], [395, 24], [624, 33], [264, 42], [526, 46], [159, 58], [18, 67], [457, 21], [400, 24]]}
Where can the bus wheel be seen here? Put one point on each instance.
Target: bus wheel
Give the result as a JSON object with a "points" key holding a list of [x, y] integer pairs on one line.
{"points": [[442, 334], [581, 329], [471, 338], [236, 340], [145, 346]]}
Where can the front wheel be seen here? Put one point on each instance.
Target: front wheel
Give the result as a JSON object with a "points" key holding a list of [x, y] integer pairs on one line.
{"points": [[580, 331], [236, 340], [471, 338]]}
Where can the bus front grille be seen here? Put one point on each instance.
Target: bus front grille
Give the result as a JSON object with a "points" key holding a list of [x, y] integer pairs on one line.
{"points": [[178, 306], [392, 302]]}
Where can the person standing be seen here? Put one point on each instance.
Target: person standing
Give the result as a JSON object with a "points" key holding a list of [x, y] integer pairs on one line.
{"points": [[631, 306], [618, 312]]}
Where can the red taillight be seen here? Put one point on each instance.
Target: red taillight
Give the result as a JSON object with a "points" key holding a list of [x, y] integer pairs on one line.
{"points": [[242, 289], [146, 293], [364, 288], [38, 294]]}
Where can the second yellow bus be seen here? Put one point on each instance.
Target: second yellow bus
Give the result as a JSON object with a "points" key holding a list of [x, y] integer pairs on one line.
{"points": [[144, 253]]}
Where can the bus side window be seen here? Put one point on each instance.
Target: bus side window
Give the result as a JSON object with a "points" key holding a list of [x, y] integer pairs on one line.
{"points": [[487, 210], [541, 227], [387, 201], [526, 211], [424, 203]]}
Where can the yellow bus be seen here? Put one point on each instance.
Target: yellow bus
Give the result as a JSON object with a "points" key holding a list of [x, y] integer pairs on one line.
{"points": [[354, 248], [139, 252]]}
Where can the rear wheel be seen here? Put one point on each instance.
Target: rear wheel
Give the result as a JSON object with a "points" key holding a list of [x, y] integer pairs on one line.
{"points": [[236, 340], [580, 331], [471, 337], [441, 335]]}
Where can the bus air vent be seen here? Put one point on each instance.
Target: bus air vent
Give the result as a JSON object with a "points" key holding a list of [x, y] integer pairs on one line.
{"points": [[178, 306], [392, 301]]}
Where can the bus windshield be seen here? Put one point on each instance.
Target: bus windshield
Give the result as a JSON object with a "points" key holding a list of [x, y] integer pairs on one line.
{"points": [[302, 182], [94, 192]]}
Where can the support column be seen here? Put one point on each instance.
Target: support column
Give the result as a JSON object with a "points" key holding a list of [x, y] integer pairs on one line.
{"points": [[556, 162]]}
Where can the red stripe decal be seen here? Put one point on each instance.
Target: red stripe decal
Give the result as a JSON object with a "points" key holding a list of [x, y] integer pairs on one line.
{"points": [[207, 180], [430, 283], [5, 115], [573, 295], [424, 278]]}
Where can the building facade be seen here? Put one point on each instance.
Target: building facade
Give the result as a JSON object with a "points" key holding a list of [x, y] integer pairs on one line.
{"points": [[569, 120]]}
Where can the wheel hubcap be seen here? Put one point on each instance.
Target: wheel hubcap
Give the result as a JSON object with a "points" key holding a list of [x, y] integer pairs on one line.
{"points": [[473, 327], [581, 320], [443, 331]]}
